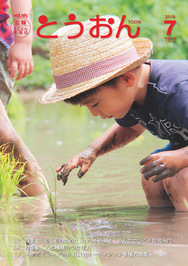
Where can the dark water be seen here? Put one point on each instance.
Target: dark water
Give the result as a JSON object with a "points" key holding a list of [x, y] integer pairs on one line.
{"points": [[108, 203]]}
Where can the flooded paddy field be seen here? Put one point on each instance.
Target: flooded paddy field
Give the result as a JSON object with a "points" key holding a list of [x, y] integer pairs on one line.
{"points": [[102, 218]]}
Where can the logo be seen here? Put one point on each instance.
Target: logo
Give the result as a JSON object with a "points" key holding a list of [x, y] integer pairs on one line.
{"points": [[21, 26]]}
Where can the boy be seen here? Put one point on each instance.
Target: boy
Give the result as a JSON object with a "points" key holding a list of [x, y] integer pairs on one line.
{"points": [[16, 56], [112, 78]]}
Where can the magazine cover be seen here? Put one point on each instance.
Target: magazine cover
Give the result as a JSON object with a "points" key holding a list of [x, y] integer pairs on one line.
{"points": [[93, 132]]}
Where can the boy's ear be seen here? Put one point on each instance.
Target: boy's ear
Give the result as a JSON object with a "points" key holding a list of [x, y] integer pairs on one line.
{"points": [[129, 78]]}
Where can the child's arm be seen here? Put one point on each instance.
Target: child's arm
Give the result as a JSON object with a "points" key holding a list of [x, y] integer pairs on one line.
{"points": [[115, 137], [164, 164], [20, 55]]}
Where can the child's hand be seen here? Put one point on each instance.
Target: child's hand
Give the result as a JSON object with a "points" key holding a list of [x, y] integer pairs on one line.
{"points": [[20, 59], [163, 164], [83, 159]]}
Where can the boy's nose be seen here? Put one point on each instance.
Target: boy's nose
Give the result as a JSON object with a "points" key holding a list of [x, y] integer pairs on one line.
{"points": [[103, 116], [94, 112]]}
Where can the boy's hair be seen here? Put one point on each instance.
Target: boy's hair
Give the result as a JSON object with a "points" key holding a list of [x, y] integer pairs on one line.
{"points": [[79, 97]]}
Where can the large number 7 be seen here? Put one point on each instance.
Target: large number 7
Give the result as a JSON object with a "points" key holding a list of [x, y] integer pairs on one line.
{"points": [[172, 23]]}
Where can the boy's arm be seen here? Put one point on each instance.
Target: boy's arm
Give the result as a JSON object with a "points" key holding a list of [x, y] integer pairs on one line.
{"points": [[164, 164], [20, 55], [115, 137]]}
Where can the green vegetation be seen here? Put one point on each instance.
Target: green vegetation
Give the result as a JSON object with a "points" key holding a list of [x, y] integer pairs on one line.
{"points": [[82, 246], [15, 107], [14, 246], [10, 174], [5, 251], [8, 252], [151, 13], [52, 200]]}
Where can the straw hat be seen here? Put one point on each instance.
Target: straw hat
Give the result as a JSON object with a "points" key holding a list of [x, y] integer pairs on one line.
{"points": [[85, 62]]}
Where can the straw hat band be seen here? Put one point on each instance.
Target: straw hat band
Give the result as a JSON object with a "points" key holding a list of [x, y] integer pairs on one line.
{"points": [[96, 69]]}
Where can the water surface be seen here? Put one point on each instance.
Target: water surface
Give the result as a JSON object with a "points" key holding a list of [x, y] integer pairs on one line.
{"points": [[108, 201]]}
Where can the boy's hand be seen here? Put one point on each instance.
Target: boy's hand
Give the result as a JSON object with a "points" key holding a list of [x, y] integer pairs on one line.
{"points": [[20, 59], [163, 164], [83, 159]]}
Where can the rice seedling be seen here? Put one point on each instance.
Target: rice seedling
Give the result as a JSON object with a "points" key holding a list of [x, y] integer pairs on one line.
{"points": [[186, 203], [76, 248], [52, 200], [11, 172], [5, 251], [12, 249]]}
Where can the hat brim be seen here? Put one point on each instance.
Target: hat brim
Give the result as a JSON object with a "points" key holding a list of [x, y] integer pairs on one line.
{"points": [[53, 95]]}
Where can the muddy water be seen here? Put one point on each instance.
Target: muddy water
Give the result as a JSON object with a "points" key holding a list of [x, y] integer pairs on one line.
{"points": [[108, 201]]}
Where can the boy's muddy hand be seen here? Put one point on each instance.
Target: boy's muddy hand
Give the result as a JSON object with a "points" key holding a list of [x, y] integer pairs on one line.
{"points": [[162, 165], [83, 159]]}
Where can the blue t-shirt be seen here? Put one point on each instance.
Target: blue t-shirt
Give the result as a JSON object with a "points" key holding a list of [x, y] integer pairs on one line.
{"points": [[165, 109]]}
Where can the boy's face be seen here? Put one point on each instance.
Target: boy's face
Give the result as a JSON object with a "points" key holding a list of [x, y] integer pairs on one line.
{"points": [[111, 100]]}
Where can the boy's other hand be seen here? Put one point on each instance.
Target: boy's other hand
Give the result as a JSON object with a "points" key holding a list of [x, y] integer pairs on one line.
{"points": [[163, 164], [83, 159], [20, 60]]}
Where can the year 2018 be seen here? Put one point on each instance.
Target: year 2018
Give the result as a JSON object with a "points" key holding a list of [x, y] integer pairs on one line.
{"points": [[169, 16]]}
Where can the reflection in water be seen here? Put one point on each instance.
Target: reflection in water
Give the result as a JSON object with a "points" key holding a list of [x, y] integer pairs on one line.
{"points": [[108, 201], [156, 235]]}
